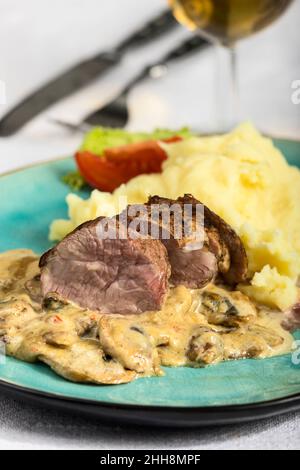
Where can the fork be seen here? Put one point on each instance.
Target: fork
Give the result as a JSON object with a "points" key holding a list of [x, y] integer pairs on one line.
{"points": [[115, 114]]}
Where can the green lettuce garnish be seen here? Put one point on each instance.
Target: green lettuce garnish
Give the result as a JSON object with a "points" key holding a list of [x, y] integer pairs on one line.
{"points": [[74, 180], [99, 139]]}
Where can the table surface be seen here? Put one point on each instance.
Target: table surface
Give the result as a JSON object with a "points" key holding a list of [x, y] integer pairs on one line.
{"points": [[40, 39]]}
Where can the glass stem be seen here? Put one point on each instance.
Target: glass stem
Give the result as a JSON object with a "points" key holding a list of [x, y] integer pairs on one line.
{"points": [[227, 90]]}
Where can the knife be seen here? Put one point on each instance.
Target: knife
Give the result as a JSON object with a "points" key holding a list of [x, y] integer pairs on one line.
{"points": [[80, 75], [115, 113]]}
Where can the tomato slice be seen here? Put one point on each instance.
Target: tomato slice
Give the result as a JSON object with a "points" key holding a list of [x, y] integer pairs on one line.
{"points": [[118, 165]]}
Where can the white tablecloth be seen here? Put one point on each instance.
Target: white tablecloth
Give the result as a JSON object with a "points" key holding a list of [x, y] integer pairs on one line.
{"points": [[22, 426], [40, 39]]}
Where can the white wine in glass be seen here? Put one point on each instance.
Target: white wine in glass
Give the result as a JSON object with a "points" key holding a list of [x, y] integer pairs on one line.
{"points": [[225, 22]]}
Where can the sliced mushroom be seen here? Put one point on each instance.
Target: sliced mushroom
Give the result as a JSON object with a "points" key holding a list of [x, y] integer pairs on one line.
{"points": [[60, 339], [16, 314], [218, 309], [54, 302], [272, 338], [85, 361], [33, 287], [87, 326], [129, 343], [228, 309], [206, 347], [249, 342]]}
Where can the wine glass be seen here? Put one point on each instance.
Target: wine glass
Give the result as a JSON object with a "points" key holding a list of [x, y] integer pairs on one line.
{"points": [[224, 22]]}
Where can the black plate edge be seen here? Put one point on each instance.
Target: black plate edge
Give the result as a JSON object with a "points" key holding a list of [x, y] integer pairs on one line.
{"points": [[172, 417]]}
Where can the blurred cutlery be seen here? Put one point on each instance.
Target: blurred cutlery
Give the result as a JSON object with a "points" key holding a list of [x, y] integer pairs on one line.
{"points": [[80, 75], [115, 113]]}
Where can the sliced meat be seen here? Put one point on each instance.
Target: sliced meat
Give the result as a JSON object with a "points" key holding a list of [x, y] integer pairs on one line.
{"points": [[224, 242], [222, 252], [130, 275], [194, 269], [190, 266], [121, 275], [227, 246], [292, 319]]}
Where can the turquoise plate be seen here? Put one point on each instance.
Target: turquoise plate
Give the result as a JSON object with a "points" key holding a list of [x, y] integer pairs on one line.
{"points": [[241, 390]]}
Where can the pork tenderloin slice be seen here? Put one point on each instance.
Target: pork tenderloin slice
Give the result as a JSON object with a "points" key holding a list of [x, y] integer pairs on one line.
{"points": [[190, 266], [122, 276], [222, 253]]}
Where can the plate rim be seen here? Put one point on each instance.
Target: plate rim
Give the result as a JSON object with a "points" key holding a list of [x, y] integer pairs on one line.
{"points": [[90, 401], [37, 164], [149, 415]]}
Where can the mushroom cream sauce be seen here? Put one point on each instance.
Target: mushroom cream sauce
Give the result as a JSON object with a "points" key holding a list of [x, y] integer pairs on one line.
{"points": [[195, 328]]}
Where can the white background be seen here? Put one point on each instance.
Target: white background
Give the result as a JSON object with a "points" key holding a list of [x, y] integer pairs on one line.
{"points": [[40, 38]]}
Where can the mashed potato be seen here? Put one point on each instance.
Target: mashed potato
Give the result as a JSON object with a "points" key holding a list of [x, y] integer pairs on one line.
{"points": [[244, 179]]}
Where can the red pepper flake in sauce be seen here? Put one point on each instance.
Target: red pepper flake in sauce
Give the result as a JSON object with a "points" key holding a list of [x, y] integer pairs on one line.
{"points": [[57, 319]]}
